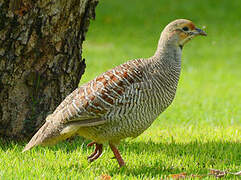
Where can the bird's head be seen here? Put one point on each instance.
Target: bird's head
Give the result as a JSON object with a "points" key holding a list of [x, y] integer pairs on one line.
{"points": [[180, 31]]}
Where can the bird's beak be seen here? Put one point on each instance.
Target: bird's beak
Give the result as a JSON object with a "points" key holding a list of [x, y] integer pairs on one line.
{"points": [[198, 31]]}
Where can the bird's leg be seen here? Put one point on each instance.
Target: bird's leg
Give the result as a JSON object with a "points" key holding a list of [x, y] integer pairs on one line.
{"points": [[99, 148], [117, 155], [96, 154], [93, 154]]}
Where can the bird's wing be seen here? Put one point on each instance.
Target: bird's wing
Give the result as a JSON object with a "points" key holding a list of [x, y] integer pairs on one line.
{"points": [[89, 103]]}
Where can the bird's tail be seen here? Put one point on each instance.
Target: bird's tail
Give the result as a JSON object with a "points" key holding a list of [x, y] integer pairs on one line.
{"points": [[44, 134]]}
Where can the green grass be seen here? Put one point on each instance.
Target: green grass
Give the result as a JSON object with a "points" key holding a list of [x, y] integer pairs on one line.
{"points": [[199, 131]]}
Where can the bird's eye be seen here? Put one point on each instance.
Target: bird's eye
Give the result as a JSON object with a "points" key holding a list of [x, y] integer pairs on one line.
{"points": [[185, 28]]}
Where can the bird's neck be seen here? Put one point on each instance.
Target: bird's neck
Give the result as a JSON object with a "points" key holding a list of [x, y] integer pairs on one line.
{"points": [[168, 51]]}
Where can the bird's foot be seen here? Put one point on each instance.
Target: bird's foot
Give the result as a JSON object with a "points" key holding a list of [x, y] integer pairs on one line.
{"points": [[97, 153]]}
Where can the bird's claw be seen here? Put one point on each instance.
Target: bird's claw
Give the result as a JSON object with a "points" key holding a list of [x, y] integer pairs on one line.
{"points": [[97, 153]]}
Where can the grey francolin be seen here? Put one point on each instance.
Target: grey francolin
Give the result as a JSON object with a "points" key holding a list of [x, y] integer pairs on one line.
{"points": [[124, 101]]}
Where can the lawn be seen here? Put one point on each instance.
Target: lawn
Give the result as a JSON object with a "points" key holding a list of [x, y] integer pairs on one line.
{"points": [[200, 131]]}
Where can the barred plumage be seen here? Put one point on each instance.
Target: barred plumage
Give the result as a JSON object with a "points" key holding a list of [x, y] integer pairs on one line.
{"points": [[124, 101]]}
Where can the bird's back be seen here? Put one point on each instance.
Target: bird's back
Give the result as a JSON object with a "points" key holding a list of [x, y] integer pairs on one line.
{"points": [[122, 102]]}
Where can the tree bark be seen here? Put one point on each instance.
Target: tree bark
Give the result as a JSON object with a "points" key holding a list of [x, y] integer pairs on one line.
{"points": [[40, 59]]}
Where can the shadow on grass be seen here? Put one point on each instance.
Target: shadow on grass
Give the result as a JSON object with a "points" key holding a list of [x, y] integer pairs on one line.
{"points": [[201, 155], [68, 145]]}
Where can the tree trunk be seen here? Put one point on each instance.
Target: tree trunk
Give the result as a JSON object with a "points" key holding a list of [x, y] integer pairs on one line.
{"points": [[40, 59]]}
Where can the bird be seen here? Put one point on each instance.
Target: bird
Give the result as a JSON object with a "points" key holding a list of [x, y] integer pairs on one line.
{"points": [[124, 101]]}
